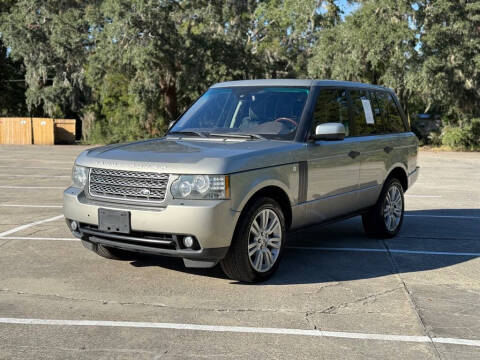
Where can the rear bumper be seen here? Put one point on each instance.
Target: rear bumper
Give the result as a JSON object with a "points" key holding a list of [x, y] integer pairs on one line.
{"points": [[412, 177], [158, 230]]}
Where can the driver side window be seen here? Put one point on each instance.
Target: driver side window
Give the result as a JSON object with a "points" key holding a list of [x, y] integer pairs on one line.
{"points": [[332, 106]]}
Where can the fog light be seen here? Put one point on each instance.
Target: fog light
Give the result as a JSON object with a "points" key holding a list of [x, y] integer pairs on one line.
{"points": [[188, 241], [74, 225]]}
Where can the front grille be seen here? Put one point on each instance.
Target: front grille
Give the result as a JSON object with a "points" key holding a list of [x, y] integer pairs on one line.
{"points": [[127, 185]]}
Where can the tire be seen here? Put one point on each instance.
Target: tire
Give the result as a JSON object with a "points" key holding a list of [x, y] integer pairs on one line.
{"points": [[377, 222], [113, 253], [238, 264]]}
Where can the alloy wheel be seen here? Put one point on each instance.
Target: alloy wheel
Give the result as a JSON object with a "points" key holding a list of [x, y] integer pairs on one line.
{"points": [[265, 240], [392, 208]]}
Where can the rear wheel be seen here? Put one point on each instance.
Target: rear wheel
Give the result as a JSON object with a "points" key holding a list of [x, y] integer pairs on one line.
{"points": [[257, 244], [385, 219]]}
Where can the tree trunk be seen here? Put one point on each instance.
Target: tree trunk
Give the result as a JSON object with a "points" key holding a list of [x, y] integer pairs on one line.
{"points": [[169, 88]]}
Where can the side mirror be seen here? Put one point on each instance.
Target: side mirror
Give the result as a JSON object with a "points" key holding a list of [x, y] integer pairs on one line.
{"points": [[329, 131]]}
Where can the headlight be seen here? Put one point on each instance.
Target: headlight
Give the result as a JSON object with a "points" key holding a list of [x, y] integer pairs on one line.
{"points": [[201, 187], [79, 176]]}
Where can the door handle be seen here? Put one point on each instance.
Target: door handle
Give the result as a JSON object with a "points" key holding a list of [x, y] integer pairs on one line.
{"points": [[387, 149], [353, 154]]}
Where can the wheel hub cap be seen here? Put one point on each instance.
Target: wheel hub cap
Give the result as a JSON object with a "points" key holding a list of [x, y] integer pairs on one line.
{"points": [[265, 240], [393, 206]]}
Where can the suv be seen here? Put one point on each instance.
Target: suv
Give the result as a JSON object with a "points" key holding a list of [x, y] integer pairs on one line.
{"points": [[247, 162]]}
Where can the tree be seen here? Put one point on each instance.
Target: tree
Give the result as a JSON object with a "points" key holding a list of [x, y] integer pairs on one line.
{"points": [[170, 50], [450, 39], [12, 87], [284, 31], [376, 44], [51, 38]]}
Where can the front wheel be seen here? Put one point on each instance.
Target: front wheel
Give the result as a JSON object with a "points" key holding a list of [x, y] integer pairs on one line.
{"points": [[113, 253], [385, 219], [257, 244]]}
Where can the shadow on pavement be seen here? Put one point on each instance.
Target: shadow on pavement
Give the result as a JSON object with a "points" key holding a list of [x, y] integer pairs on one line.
{"points": [[423, 230]]}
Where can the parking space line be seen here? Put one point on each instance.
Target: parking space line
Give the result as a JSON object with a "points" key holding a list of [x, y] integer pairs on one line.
{"points": [[377, 250], [445, 216], [31, 187], [35, 176], [34, 167], [37, 238], [422, 196], [347, 249], [26, 226], [242, 329], [32, 206], [39, 160]]}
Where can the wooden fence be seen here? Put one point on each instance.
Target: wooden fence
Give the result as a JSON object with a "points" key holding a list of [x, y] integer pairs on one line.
{"points": [[38, 131]]}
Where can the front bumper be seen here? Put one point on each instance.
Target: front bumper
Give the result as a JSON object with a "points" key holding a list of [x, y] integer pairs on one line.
{"points": [[211, 222]]}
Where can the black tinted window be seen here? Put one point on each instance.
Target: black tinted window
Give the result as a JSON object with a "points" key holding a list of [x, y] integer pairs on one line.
{"points": [[361, 106], [378, 113], [332, 106], [393, 122]]}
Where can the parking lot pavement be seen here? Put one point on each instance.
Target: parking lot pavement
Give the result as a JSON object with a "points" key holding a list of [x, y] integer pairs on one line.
{"points": [[337, 294]]}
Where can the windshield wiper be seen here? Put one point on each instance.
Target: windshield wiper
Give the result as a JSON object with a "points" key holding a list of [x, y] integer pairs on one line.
{"points": [[239, 135], [188, 133]]}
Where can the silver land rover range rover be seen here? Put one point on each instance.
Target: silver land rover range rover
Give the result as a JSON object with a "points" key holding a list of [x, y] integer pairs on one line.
{"points": [[246, 163]]}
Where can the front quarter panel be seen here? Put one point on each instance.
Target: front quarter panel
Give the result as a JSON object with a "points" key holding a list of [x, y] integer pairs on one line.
{"points": [[245, 184]]}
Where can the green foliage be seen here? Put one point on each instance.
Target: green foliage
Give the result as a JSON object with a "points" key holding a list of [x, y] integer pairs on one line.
{"points": [[12, 88], [51, 38], [376, 44], [118, 117], [450, 37], [128, 67], [462, 137]]}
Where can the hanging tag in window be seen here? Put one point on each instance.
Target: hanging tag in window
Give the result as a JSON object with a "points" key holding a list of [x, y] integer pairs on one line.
{"points": [[367, 108]]}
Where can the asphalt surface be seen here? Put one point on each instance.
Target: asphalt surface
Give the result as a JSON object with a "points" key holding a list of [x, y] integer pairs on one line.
{"points": [[337, 294]]}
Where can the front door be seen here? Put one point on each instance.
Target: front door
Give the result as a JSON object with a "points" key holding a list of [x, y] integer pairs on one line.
{"points": [[333, 167]]}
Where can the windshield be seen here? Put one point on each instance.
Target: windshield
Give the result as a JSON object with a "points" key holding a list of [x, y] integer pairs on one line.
{"points": [[271, 112]]}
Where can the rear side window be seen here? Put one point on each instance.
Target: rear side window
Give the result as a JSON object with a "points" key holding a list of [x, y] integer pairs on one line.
{"points": [[392, 120], [362, 124], [377, 113], [332, 106]]}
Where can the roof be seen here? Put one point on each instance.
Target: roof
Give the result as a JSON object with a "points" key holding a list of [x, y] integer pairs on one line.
{"points": [[297, 82]]}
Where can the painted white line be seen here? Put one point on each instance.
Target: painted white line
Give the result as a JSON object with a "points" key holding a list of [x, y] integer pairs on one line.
{"points": [[31, 187], [32, 206], [374, 250], [34, 167], [377, 250], [36, 238], [36, 176], [26, 226], [241, 329], [422, 196], [38, 160], [446, 216]]}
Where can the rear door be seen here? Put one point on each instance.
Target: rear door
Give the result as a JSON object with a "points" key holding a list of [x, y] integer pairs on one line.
{"points": [[367, 131], [378, 141], [333, 168]]}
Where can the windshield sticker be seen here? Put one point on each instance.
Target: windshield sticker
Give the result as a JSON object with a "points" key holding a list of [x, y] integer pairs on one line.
{"points": [[367, 108]]}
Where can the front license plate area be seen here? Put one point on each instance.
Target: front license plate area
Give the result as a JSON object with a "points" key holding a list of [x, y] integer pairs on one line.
{"points": [[114, 221]]}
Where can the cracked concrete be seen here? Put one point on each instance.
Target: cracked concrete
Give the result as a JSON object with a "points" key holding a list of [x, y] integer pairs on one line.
{"points": [[384, 293]]}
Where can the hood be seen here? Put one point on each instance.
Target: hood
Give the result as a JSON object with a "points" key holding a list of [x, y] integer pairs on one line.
{"points": [[192, 155]]}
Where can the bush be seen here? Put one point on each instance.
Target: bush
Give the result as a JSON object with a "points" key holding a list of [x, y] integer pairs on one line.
{"points": [[466, 136]]}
